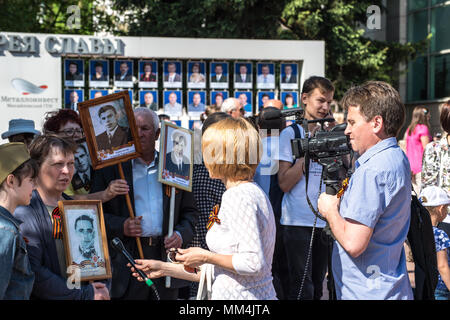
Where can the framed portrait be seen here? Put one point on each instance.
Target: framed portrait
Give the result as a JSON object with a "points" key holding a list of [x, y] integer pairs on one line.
{"points": [[72, 97], [177, 152], [196, 102], [148, 74], [243, 75], [149, 99], [195, 75], [265, 78], [218, 75], [264, 96], [130, 94], [173, 73], [173, 103], [84, 237], [245, 97], [289, 76], [98, 73], [289, 99], [110, 129], [73, 73], [97, 93], [83, 174], [123, 73]]}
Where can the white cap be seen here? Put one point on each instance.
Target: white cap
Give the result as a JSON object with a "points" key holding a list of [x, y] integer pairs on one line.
{"points": [[434, 196]]}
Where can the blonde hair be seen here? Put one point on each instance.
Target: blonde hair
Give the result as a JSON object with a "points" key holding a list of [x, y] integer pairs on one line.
{"points": [[231, 149]]}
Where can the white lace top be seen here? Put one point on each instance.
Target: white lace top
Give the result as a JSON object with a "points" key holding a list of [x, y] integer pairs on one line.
{"points": [[247, 231]]}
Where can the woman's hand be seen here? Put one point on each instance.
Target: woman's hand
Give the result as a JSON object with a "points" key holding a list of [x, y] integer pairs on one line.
{"points": [[115, 188], [193, 257], [152, 268]]}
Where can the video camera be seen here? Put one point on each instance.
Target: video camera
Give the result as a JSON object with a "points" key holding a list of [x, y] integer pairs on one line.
{"points": [[328, 148]]}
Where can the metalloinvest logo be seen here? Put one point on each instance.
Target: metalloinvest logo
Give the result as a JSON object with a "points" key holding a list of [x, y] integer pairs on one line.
{"points": [[25, 87]]}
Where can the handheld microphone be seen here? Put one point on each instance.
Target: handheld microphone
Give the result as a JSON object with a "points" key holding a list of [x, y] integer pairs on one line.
{"points": [[118, 245]]}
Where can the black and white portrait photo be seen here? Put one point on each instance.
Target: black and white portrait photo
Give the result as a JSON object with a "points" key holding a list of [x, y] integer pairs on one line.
{"points": [[177, 151], [85, 238]]}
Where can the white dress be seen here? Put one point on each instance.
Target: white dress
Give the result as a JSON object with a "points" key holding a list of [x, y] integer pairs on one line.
{"points": [[246, 231]]}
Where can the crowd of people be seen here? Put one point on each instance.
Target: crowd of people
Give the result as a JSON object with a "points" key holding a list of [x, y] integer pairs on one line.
{"points": [[248, 229]]}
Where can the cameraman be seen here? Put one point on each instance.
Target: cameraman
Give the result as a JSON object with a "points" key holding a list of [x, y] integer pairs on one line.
{"points": [[371, 221], [297, 219]]}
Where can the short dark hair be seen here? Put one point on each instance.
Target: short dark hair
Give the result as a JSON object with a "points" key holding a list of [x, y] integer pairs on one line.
{"points": [[445, 116], [377, 98], [54, 120], [85, 218], [316, 82], [42, 145], [106, 108]]}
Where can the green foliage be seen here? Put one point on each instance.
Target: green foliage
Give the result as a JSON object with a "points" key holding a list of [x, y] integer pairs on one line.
{"points": [[49, 16]]}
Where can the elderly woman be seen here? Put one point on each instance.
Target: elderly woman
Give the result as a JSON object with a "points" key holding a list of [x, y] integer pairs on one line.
{"points": [[66, 123], [41, 222], [241, 234]]}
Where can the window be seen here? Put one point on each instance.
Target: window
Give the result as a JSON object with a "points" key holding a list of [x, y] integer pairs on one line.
{"points": [[417, 4], [440, 27], [417, 79], [440, 69]]}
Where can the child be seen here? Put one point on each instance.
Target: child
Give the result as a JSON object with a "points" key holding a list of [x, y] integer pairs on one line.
{"points": [[436, 200], [17, 172]]}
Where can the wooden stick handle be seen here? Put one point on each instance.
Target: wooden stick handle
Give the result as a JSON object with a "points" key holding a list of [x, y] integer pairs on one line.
{"points": [[130, 210], [171, 222]]}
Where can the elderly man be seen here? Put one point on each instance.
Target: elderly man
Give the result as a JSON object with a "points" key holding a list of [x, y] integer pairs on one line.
{"points": [[149, 102], [123, 74], [173, 108], [114, 135], [73, 101], [233, 107], [151, 204]]}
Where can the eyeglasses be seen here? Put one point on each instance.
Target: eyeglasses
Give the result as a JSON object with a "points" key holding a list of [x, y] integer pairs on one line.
{"points": [[70, 132]]}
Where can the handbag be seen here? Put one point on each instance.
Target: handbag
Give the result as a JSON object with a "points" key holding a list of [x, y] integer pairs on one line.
{"points": [[206, 277]]}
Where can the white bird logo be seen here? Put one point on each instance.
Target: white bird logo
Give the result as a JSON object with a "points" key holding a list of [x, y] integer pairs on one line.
{"points": [[25, 87]]}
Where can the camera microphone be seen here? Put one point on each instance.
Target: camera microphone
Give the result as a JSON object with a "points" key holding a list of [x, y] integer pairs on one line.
{"points": [[118, 245]]}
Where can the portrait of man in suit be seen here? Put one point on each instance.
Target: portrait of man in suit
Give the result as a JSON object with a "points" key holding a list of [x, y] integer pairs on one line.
{"points": [[114, 135], [124, 74], [73, 73], [149, 101], [86, 237], [243, 75], [83, 170], [73, 100], [172, 75], [176, 161], [288, 76], [218, 74]]}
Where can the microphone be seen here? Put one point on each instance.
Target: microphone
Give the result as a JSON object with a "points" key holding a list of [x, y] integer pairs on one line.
{"points": [[118, 245]]}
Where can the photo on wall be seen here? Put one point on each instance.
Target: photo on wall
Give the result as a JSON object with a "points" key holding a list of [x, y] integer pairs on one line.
{"points": [[98, 73], [149, 99], [72, 97], [173, 74], [243, 75], [74, 73], [245, 98], [148, 74], [216, 98], [123, 73], [263, 97], [289, 76], [289, 99], [196, 78], [97, 93], [218, 75], [196, 103], [265, 75], [173, 103]]}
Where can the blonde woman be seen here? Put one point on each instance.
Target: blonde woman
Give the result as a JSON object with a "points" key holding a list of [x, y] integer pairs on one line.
{"points": [[241, 237]]}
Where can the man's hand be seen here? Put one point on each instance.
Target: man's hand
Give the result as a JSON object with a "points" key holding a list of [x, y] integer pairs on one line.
{"points": [[132, 227], [174, 241], [115, 188], [100, 291], [328, 204]]}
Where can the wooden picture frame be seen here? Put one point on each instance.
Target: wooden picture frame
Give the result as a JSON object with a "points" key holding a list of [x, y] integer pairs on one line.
{"points": [[100, 115], [84, 237], [167, 173]]}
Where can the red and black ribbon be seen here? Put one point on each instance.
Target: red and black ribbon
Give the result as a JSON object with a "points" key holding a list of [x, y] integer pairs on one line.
{"points": [[213, 217]]}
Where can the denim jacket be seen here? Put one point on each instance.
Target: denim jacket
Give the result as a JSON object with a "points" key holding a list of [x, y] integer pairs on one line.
{"points": [[16, 276]]}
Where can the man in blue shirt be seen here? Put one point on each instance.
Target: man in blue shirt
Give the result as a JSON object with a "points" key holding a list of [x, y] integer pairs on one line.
{"points": [[371, 220]]}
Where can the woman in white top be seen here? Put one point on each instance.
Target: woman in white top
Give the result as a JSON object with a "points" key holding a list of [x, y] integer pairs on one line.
{"points": [[242, 237]]}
